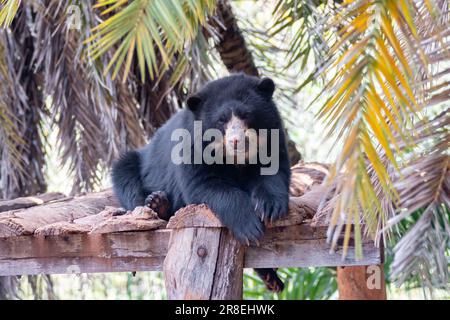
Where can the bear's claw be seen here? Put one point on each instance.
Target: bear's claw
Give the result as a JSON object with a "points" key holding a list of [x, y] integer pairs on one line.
{"points": [[248, 231], [158, 202], [270, 209]]}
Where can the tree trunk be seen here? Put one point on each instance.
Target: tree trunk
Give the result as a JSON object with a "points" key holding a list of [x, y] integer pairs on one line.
{"points": [[237, 57], [361, 283], [231, 46]]}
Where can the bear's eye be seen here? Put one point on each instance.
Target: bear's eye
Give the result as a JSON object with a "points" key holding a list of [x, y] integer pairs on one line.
{"points": [[244, 115], [222, 120]]}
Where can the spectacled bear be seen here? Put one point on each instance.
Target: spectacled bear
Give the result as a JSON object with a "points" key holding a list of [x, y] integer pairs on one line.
{"points": [[241, 195]]}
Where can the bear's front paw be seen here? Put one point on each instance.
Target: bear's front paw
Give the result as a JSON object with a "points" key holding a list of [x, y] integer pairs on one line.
{"points": [[158, 202], [269, 208], [251, 229]]}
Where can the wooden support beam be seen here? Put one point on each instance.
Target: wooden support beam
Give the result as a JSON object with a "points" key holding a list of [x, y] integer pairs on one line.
{"points": [[83, 253], [361, 282], [288, 246], [287, 243], [203, 262]]}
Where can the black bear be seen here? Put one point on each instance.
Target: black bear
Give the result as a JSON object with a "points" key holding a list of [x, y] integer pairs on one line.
{"points": [[242, 194], [245, 180]]}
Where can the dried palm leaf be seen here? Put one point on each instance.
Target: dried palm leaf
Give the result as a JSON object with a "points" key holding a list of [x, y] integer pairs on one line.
{"points": [[379, 71], [21, 135]]}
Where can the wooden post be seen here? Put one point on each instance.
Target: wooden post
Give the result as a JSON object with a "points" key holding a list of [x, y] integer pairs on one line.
{"points": [[361, 282], [204, 261]]}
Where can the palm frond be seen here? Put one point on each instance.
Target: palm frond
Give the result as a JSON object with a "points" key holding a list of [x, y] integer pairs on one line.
{"points": [[423, 185], [96, 117], [160, 98], [21, 135], [10, 135], [147, 29], [306, 21], [380, 72], [8, 10]]}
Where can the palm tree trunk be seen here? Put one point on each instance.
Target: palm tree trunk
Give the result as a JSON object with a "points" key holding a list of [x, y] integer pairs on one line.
{"points": [[231, 46], [237, 57]]}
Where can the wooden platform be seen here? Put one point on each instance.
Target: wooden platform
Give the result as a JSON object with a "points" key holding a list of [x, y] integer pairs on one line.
{"points": [[55, 234], [89, 237]]}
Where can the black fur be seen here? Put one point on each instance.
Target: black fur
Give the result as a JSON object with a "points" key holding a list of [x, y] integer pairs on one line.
{"points": [[127, 182], [239, 195]]}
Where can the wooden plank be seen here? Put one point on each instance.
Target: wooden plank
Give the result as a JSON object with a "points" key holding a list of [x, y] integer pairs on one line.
{"points": [[121, 244], [79, 265], [306, 253], [114, 252], [25, 222], [109, 220], [190, 263], [204, 261], [229, 273], [292, 246], [27, 202], [304, 246]]}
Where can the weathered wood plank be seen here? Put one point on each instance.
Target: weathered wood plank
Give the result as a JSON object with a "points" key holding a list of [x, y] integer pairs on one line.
{"points": [[118, 245], [204, 261], [79, 265], [25, 222], [114, 252], [27, 202], [108, 221], [190, 263], [229, 269], [305, 253], [293, 246]]}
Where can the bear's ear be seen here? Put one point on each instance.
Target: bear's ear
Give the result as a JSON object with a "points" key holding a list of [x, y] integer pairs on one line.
{"points": [[266, 86], [193, 102]]}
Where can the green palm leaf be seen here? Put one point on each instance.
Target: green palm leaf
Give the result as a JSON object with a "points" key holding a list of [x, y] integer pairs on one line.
{"points": [[149, 29], [8, 10]]}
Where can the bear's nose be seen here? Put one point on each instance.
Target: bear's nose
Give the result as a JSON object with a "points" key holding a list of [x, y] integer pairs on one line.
{"points": [[234, 143]]}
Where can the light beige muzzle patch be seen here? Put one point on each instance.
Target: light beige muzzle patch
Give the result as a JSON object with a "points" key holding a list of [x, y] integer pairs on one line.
{"points": [[240, 142]]}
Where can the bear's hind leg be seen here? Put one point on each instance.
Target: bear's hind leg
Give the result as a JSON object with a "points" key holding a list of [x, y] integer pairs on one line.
{"points": [[158, 202], [270, 278]]}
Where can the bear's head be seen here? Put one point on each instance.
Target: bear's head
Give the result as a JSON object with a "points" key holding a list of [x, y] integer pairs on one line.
{"points": [[239, 106]]}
